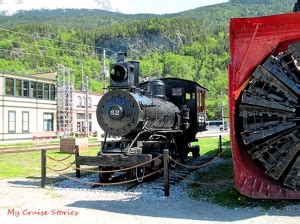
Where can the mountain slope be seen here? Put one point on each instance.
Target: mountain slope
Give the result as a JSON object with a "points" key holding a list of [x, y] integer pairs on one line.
{"points": [[191, 44]]}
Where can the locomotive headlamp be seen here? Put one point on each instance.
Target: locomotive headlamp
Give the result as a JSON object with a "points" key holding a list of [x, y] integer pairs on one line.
{"points": [[124, 74], [119, 73]]}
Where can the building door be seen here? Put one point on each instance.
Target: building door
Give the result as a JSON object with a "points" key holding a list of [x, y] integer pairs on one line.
{"points": [[48, 121], [78, 127]]}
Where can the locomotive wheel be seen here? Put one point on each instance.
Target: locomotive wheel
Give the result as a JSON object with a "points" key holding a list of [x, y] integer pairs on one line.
{"points": [[136, 173], [172, 164], [195, 151], [140, 173], [173, 154], [105, 177], [269, 112]]}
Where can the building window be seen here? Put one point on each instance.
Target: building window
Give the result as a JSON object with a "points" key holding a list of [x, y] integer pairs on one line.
{"points": [[90, 104], [48, 121], [81, 116], [18, 87], [46, 91], [52, 92], [79, 101], [33, 89], [12, 121], [25, 121], [83, 102], [9, 87], [40, 90], [25, 88]]}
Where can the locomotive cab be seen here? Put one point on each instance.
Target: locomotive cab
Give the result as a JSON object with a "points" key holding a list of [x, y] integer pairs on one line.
{"points": [[189, 96]]}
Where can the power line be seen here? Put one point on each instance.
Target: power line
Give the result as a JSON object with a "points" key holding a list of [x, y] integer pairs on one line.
{"points": [[48, 47], [32, 54], [61, 41], [38, 55]]}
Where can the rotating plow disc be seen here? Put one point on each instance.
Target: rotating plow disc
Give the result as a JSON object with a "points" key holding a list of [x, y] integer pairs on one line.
{"points": [[269, 115], [264, 90]]}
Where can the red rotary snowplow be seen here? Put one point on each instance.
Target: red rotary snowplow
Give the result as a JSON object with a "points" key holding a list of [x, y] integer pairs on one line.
{"points": [[264, 90]]}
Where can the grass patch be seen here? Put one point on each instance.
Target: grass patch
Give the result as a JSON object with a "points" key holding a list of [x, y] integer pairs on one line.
{"points": [[38, 143], [28, 164], [216, 185], [29, 144], [210, 146]]}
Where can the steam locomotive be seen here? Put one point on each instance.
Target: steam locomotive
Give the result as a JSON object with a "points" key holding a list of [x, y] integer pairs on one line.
{"points": [[149, 117], [264, 90]]}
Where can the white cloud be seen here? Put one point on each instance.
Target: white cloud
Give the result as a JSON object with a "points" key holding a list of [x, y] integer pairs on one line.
{"points": [[125, 6]]}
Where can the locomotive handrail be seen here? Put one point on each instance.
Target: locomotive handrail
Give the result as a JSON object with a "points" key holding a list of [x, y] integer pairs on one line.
{"points": [[134, 140], [104, 142], [163, 116], [102, 184]]}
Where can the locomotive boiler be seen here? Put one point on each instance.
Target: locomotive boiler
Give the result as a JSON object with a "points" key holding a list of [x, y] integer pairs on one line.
{"points": [[147, 118], [264, 89]]}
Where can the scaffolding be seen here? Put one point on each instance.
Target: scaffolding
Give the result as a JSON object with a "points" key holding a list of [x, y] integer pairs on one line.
{"points": [[65, 90]]}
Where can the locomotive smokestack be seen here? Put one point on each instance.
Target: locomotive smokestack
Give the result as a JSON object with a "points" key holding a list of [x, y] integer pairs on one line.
{"points": [[121, 57]]}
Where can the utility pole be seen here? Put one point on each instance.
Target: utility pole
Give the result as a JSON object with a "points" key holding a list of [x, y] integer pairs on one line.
{"points": [[82, 78], [86, 106], [104, 72], [223, 122]]}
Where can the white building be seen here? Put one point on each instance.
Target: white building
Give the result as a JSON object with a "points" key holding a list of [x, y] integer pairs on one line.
{"points": [[79, 112], [28, 108]]}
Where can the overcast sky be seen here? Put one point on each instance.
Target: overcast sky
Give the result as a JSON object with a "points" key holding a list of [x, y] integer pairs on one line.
{"points": [[125, 6]]}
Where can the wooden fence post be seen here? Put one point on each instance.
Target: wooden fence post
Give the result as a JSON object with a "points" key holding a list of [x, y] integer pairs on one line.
{"points": [[166, 173], [77, 165], [220, 144], [43, 167]]}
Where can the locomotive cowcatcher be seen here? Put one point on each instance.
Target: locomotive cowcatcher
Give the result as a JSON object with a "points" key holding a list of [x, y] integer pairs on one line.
{"points": [[148, 117]]}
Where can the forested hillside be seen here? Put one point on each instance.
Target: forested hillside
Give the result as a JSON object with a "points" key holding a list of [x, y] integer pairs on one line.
{"points": [[192, 44]]}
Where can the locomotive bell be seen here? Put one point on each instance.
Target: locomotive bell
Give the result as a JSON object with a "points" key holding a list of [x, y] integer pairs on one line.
{"points": [[157, 88], [124, 74]]}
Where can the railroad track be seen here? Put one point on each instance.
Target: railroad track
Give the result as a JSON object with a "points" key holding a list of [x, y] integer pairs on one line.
{"points": [[180, 173], [183, 173]]}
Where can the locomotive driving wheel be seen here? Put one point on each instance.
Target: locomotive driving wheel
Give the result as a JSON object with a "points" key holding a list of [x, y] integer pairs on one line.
{"points": [[105, 176], [173, 154], [137, 173]]}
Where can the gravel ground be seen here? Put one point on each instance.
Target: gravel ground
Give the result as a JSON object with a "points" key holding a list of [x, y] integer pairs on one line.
{"points": [[22, 201]]}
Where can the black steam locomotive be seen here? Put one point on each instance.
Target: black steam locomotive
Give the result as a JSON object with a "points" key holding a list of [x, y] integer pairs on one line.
{"points": [[149, 117]]}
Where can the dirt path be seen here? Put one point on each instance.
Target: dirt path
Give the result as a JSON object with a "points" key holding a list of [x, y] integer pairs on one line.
{"points": [[20, 198]]}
